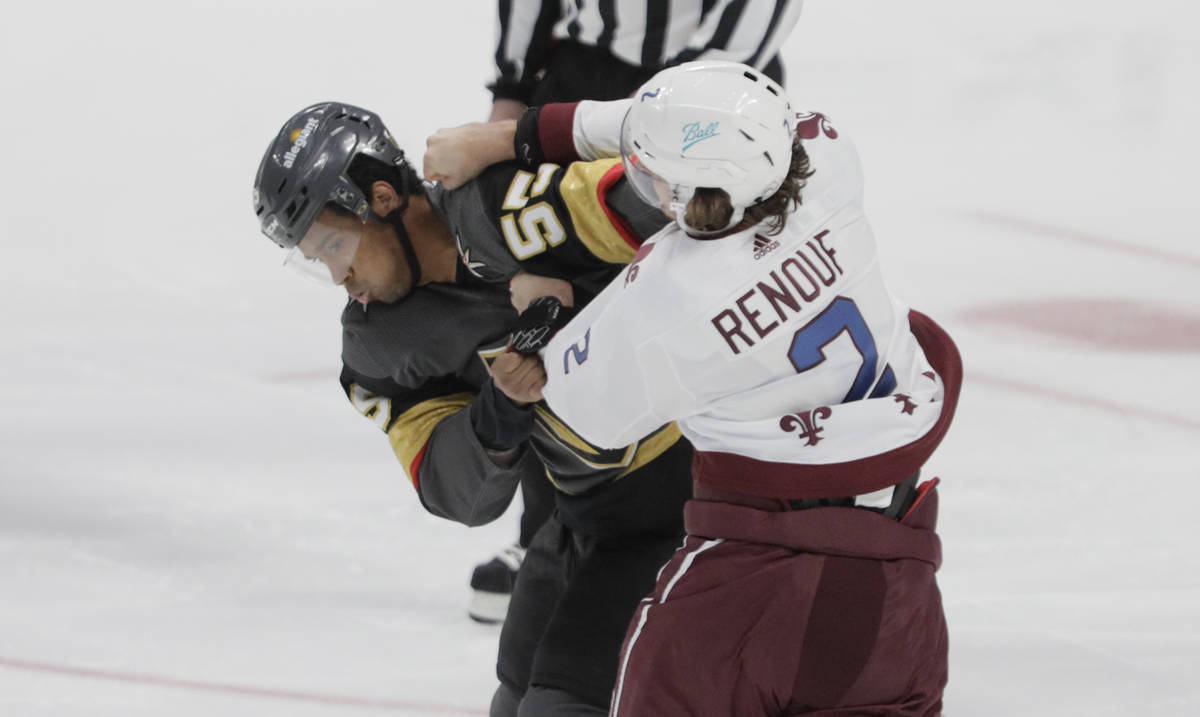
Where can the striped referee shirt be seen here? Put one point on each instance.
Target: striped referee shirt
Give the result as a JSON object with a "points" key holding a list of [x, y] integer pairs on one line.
{"points": [[642, 33]]}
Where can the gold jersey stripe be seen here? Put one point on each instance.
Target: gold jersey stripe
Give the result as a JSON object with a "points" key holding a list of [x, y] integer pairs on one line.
{"points": [[648, 449], [586, 452], [592, 225], [411, 431], [633, 457], [653, 446]]}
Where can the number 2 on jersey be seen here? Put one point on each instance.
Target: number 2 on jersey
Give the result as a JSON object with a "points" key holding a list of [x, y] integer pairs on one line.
{"points": [[809, 344]]}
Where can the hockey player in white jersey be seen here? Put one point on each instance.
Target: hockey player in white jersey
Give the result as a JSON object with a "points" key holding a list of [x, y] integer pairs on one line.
{"points": [[761, 323]]}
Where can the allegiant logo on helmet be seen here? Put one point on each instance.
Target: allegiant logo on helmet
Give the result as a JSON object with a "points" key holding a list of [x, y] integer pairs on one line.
{"points": [[299, 141]]}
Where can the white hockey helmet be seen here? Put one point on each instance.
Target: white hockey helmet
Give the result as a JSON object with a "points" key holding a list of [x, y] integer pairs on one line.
{"points": [[722, 125]]}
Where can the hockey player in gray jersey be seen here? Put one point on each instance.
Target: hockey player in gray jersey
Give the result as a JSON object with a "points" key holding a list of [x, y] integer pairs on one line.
{"points": [[426, 359]]}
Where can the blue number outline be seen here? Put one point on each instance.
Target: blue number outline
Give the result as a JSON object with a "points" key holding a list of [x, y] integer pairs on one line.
{"points": [[807, 350]]}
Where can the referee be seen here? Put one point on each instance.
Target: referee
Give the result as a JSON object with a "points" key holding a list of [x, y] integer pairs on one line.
{"points": [[569, 50]]}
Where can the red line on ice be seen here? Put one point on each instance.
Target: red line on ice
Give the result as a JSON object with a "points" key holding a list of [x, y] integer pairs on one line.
{"points": [[1105, 323], [244, 690]]}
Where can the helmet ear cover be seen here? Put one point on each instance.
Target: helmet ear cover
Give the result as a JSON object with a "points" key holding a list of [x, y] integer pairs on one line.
{"points": [[673, 199]]}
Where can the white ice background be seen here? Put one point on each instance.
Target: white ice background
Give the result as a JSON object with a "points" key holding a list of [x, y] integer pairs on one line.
{"points": [[194, 521]]}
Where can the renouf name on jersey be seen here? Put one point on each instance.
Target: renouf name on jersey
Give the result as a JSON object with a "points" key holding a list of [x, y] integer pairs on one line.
{"points": [[300, 142], [781, 293]]}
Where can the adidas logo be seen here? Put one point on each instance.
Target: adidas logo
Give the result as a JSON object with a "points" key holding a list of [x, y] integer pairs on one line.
{"points": [[763, 246]]}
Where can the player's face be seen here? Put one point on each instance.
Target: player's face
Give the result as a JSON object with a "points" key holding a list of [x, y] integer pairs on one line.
{"points": [[327, 250], [364, 258]]}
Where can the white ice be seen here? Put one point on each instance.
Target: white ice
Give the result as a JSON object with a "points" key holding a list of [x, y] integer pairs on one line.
{"points": [[194, 521]]}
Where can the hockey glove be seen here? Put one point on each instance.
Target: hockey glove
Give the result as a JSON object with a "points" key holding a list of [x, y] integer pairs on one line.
{"points": [[538, 324]]}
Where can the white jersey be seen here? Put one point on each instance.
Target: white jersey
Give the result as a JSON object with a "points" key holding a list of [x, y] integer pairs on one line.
{"points": [[785, 348]]}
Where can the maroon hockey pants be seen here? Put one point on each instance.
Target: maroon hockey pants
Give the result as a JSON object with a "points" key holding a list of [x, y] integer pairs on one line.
{"points": [[825, 611]]}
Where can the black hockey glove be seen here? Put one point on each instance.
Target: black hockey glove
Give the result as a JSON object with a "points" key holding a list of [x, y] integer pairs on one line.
{"points": [[535, 327]]}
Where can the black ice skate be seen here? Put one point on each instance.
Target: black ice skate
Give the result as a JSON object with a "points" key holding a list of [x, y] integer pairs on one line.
{"points": [[492, 585]]}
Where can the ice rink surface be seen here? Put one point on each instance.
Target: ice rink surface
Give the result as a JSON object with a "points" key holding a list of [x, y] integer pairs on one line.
{"points": [[194, 521]]}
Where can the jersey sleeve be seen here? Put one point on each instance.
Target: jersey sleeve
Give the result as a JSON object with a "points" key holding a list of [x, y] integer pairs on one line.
{"points": [[432, 435], [596, 128], [600, 377], [586, 130]]}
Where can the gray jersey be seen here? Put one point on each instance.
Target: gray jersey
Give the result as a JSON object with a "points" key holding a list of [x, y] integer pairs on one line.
{"points": [[416, 366]]}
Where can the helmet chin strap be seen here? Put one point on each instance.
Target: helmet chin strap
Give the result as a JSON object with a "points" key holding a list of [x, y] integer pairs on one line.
{"points": [[396, 219]]}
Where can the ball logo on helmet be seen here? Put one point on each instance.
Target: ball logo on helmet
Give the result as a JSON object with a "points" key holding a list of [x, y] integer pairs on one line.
{"points": [[693, 133], [299, 139]]}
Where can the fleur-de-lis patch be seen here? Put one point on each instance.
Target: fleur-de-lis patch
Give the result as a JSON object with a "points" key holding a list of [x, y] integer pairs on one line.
{"points": [[811, 124], [806, 423]]}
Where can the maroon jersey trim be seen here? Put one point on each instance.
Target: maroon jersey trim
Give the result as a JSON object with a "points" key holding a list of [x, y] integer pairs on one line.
{"points": [[769, 479], [556, 123]]}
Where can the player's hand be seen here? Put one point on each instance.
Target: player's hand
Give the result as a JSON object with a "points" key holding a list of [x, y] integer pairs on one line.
{"points": [[538, 324], [456, 155], [525, 287], [520, 377]]}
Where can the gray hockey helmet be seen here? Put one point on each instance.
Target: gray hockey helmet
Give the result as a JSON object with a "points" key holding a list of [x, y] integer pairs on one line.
{"points": [[305, 168]]}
